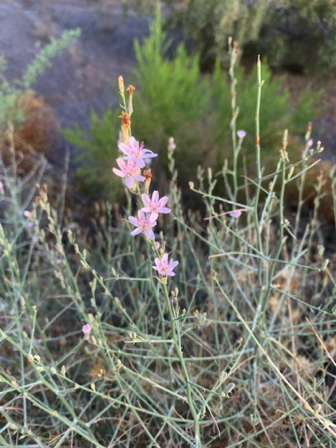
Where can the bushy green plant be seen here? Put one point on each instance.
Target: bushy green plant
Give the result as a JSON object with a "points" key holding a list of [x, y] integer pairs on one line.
{"points": [[11, 91], [99, 143], [173, 98]]}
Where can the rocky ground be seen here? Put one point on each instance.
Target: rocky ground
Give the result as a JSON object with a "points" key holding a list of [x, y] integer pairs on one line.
{"points": [[85, 76]]}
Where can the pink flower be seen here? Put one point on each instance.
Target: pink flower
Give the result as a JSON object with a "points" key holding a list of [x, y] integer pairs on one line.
{"points": [[135, 152], [144, 224], [155, 205], [157, 244], [310, 143], [130, 171], [163, 267], [235, 213], [86, 329], [171, 144], [241, 134], [26, 213]]}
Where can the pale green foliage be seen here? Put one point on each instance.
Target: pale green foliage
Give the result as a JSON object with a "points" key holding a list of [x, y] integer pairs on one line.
{"points": [[211, 22], [301, 34], [10, 91], [253, 304], [294, 34]]}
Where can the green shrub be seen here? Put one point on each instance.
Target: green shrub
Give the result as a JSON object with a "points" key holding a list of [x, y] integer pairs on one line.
{"points": [[173, 98], [196, 109], [101, 150]]}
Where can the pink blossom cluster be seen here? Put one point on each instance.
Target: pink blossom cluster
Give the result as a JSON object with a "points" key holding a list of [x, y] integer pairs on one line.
{"points": [[134, 159]]}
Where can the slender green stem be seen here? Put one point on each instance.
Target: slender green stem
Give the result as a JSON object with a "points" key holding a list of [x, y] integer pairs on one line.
{"points": [[178, 348], [281, 234], [257, 224]]}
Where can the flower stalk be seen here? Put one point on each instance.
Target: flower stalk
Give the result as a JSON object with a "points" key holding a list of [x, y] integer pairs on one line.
{"points": [[135, 158]]}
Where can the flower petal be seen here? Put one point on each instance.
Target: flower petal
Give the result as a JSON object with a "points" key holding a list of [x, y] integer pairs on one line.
{"points": [[133, 220], [124, 148], [118, 172], [163, 201], [129, 181], [136, 231], [164, 210], [146, 200], [146, 209], [235, 213], [149, 234], [172, 264], [148, 154], [155, 196]]}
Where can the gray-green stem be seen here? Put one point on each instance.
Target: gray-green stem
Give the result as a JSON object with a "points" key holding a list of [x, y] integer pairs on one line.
{"points": [[177, 344]]}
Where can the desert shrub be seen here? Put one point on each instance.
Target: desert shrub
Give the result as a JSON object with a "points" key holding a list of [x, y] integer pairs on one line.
{"points": [[99, 350], [300, 35], [36, 131], [173, 98], [210, 23], [39, 126]]}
